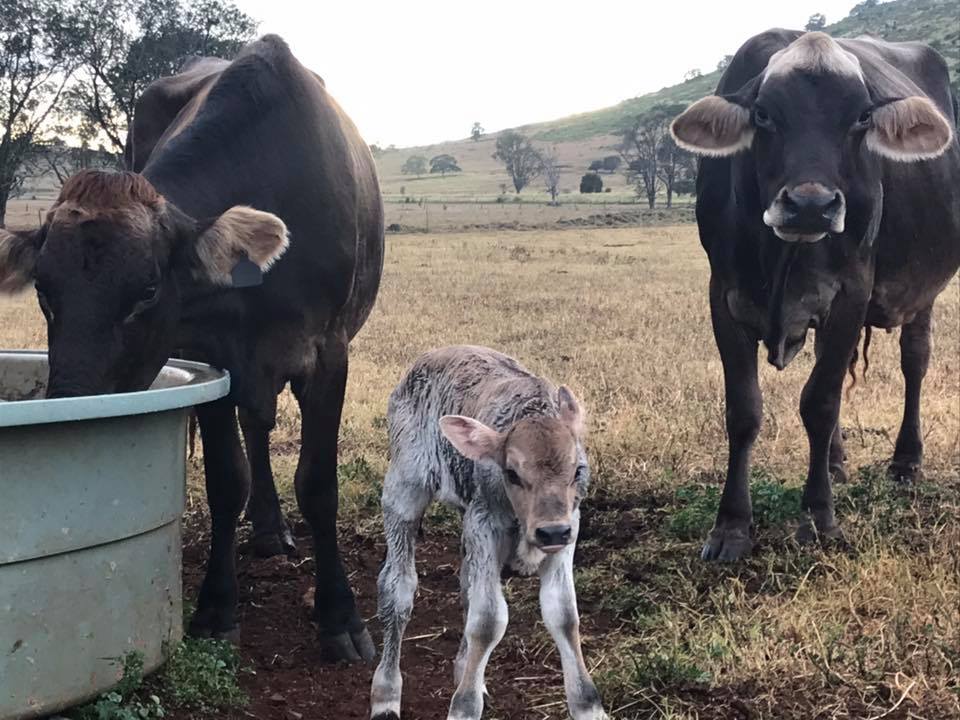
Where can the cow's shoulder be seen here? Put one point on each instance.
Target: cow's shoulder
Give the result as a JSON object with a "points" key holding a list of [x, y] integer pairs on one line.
{"points": [[752, 58], [161, 102]]}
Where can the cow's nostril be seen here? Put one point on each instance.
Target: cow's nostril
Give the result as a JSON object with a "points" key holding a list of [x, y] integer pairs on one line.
{"points": [[550, 535]]}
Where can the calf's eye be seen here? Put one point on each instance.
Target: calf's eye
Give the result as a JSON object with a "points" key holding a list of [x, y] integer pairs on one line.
{"points": [[513, 478]]}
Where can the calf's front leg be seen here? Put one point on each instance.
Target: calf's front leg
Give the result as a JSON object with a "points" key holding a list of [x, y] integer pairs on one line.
{"points": [[558, 604], [486, 623]]}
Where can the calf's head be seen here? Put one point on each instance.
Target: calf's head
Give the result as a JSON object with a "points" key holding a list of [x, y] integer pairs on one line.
{"points": [[815, 129], [542, 463], [109, 263]]}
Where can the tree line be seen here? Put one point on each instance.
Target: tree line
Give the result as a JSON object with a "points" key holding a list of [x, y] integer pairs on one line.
{"points": [[73, 70]]}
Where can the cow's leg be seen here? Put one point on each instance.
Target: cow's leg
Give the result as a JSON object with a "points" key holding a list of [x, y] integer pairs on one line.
{"points": [[342, 632], [271, 534], [558, 604], [838, 456], [228, 482], [914, 360], [730, 538], [404, 501], [820, 411], [486, 612]]}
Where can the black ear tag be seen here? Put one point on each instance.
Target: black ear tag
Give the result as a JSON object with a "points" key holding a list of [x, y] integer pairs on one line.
{"points": [[246, 273]]}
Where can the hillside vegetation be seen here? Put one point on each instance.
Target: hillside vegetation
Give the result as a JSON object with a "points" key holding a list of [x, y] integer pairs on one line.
{"points": [[578, 139]]}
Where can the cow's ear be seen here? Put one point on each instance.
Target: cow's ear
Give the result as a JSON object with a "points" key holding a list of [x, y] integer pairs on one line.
{"points": [[909, 129], [471, 438], [240, 242], [18, 259], [713, 126], [571, 412]]}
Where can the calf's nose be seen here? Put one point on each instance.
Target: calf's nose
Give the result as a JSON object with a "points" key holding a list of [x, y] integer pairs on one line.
{"points": [[553, 535]]}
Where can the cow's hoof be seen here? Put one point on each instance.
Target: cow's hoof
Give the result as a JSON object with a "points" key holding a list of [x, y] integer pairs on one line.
{"points": [[271, 544], [904, 472], [211, 624], [727, 545], [348, 647], [385, 716], [838, 474], [808, 533]]}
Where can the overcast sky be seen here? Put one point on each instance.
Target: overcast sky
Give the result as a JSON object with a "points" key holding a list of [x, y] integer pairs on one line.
{"points": [[414, 72]]}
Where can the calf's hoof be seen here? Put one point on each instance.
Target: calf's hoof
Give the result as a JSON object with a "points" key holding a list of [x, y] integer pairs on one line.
{"points": [[904, 472], [388, 715], [356, 646], [727, 544], [270, 544], [215, 625]]}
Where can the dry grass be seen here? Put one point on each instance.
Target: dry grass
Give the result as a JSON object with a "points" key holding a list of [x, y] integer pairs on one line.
{"points": [[621, 315]]}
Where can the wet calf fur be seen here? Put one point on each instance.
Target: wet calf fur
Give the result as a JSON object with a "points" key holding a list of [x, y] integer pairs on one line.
{"points": [[471, 427]]}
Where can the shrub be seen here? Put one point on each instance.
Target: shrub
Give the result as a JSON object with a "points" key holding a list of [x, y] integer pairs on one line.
{"points": [[591, 183]]}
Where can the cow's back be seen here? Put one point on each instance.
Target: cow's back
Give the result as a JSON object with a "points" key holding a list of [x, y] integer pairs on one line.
{"points": [[263, 131]]}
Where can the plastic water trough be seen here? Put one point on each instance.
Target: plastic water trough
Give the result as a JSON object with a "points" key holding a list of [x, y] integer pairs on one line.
{"points": [[91, 494]]}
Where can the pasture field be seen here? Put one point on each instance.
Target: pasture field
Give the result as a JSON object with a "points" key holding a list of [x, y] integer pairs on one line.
{"points": [[866, 630]]}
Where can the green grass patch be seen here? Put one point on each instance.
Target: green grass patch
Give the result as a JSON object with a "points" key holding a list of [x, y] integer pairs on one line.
{"points": [[127, 701], [773, 505], [203, 675]]}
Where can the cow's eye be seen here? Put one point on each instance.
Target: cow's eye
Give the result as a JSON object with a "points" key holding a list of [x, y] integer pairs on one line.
{"points": [[513, 478], [865, 117], [149, 293], [761, 118]]}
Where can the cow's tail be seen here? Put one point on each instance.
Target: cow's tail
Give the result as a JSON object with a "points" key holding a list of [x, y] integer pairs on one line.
{"points": [[866, 334]]}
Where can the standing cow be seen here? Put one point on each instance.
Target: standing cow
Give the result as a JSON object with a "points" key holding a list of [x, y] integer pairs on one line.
{"points": [[129, 267], [828, 197]]}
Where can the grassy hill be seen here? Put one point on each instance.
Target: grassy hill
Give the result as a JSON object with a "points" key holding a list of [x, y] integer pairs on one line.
{"points": [[936, 22], [580, 138]]}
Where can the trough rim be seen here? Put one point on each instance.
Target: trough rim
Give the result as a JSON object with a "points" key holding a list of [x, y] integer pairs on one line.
{"points": [[202, 384]]}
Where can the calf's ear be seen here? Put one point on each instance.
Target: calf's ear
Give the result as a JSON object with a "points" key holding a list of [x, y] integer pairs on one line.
{"points": [[571, 412], [713, 126], [471, 438], [908, 130], [18, 259], [238, 245]]}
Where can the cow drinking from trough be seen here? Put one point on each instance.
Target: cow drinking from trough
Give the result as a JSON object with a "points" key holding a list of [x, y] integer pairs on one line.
{"points": [[828, 197], [131, 267], [471, 427]]}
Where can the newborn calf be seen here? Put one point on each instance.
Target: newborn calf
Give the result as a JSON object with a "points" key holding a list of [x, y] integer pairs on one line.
{"points": [[473, 428]]}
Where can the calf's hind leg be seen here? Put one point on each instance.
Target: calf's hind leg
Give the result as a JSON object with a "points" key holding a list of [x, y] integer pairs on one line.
{"points": [[271, 534], [914, 360], [404, 502], [342, 632]]}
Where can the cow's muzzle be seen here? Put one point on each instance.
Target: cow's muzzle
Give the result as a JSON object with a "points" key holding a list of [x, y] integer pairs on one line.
{"points": [[806, 212]]}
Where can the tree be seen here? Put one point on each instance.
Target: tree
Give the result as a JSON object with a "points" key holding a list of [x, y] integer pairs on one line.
{"points": [[124, 45], [476, 132], [596, 166], [692, 74], [611, 163], [551, 173], [443, 164], [63, 161], [817, 21], [35, 67], [724, 62], [521, 159], [676, 169], [591, 183], [414, 165], [641, 147]]}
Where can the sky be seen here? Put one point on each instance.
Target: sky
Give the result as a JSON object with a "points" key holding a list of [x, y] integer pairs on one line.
{"points": [[417, 72]]}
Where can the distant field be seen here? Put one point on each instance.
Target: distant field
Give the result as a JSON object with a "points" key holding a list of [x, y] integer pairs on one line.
{"points": [[621, 315]]}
